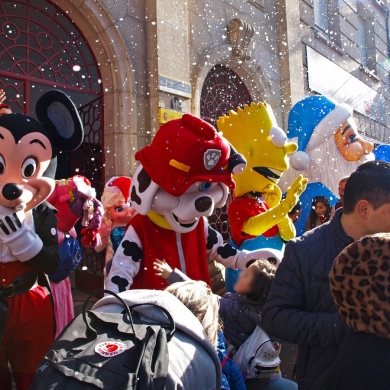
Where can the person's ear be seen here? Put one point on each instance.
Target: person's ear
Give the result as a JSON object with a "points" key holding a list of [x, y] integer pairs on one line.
{"points": [[363, 209], [59, 115]]}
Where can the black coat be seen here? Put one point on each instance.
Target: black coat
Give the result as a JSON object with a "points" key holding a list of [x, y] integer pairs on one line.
{"points": [[300, 307], [239, 319], [362, 363], [45, 222]]}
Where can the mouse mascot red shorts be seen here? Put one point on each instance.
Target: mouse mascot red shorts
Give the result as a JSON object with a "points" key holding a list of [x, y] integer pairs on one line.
{"points": [[184, 173], [28, 236]]}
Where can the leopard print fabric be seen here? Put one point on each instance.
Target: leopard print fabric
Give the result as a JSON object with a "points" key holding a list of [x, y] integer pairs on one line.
{"points": [[360, 285]]}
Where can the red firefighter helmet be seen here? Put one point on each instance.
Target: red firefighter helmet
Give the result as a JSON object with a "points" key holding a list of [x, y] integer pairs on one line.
{"points": [[189, 150]]}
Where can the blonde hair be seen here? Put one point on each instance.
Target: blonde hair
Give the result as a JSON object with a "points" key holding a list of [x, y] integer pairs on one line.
{"points": [[200, 300], [109, 199]]}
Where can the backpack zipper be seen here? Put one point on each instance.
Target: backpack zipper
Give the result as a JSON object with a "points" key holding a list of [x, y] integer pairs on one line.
{"points": [[42, 368]]}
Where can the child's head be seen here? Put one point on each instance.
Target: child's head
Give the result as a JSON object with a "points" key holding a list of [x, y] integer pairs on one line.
{"points": [[200, 300], [321, 206], [255, 281], [295, 213]]}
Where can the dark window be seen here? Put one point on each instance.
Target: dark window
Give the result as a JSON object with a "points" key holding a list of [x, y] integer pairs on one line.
{"points": [[223, 90], [42, 49]]}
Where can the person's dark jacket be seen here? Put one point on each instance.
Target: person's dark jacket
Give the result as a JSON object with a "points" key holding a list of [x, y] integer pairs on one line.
{"points": [[300, 307], [239, 318], [362, 363]]}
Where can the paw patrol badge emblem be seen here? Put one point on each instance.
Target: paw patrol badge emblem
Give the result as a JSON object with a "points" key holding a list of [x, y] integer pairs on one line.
{"points": [[110, 348], [211, 157]]}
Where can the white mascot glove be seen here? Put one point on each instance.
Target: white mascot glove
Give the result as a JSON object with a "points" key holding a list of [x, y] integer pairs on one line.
{"points": [[16, 235], [259, 254]]}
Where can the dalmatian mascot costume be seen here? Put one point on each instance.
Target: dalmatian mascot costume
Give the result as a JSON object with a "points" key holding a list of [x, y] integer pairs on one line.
{"points": [[184, 173]]}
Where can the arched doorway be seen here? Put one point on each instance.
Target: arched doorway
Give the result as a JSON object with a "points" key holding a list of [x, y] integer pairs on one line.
{"points": [[41, 49], [222, 90]]}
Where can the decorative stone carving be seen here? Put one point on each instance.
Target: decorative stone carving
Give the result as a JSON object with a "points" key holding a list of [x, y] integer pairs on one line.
{"points": [[240, 35]]}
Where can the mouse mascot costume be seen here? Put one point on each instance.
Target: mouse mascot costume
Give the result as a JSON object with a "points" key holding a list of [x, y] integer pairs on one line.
{"points": [[28, 236], [184, 173], [258, 215], [73, 198]]}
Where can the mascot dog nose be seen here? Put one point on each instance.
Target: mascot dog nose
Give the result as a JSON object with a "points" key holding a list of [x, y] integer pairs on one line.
{"points": [[203, 204], [12, 191]]}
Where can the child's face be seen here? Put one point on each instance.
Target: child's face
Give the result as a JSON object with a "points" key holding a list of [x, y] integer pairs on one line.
{"points": [[320, 209], [295, 217], [244, 282]]}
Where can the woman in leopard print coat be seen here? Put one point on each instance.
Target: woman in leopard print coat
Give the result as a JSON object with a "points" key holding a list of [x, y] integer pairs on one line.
{"points": [[360, 285]]}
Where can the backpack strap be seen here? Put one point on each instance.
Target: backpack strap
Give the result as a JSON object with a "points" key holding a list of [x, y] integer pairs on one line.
{"points": [[231, 350], [91, 332], [225, 359], [165, 311]]}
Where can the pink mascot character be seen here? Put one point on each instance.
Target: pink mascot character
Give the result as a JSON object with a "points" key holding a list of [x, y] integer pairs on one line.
{"points": [[73, 198]]}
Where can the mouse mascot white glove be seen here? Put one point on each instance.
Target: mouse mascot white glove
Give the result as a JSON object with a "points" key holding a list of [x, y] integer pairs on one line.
{"points": [[183, 175], [20, 238], [28, 235]]}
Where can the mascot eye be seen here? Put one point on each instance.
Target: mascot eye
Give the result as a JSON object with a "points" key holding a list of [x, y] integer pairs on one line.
{"points": [[118, 209], [278, 136], [352, 138], [205, 186], [2, 165], [29, 167]]}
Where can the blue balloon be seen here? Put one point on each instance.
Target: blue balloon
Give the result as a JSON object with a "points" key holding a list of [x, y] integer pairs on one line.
{"points": [[382, 153]]}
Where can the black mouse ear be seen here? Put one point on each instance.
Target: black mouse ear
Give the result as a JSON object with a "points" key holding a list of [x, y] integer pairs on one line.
{"points": [[59, 115]]}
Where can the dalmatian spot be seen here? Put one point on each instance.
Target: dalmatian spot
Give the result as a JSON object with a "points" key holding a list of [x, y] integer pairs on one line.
{"points": [[211, 158], [131, 249], [122, 283], [226, 251], [144, 181], [134, 196], [212, 238]]}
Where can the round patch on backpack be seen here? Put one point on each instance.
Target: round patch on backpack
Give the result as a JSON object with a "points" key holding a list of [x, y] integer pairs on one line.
{"points": [[110, 348]]}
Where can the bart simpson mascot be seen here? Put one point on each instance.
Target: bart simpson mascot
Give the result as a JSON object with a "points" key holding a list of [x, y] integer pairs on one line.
{"points": [[258, 215]]}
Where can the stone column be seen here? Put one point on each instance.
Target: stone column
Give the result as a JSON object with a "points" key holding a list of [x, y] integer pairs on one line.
{"points": [[167, 55], [290, 52]]}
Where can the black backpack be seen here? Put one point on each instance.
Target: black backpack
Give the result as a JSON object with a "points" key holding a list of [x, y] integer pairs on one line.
{"points": [[107, 351]]}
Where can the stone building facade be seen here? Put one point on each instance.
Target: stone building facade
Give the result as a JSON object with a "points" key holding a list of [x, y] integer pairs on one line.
{"points": [[130, 65], [353, 35], [148, 52]]}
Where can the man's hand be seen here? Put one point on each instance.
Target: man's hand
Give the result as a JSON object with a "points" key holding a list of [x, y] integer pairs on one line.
{"points": [[162, 268]]}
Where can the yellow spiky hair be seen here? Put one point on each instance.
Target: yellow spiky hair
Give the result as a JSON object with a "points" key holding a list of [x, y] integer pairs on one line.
{"points": [[254, 120], [254, 133]]}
